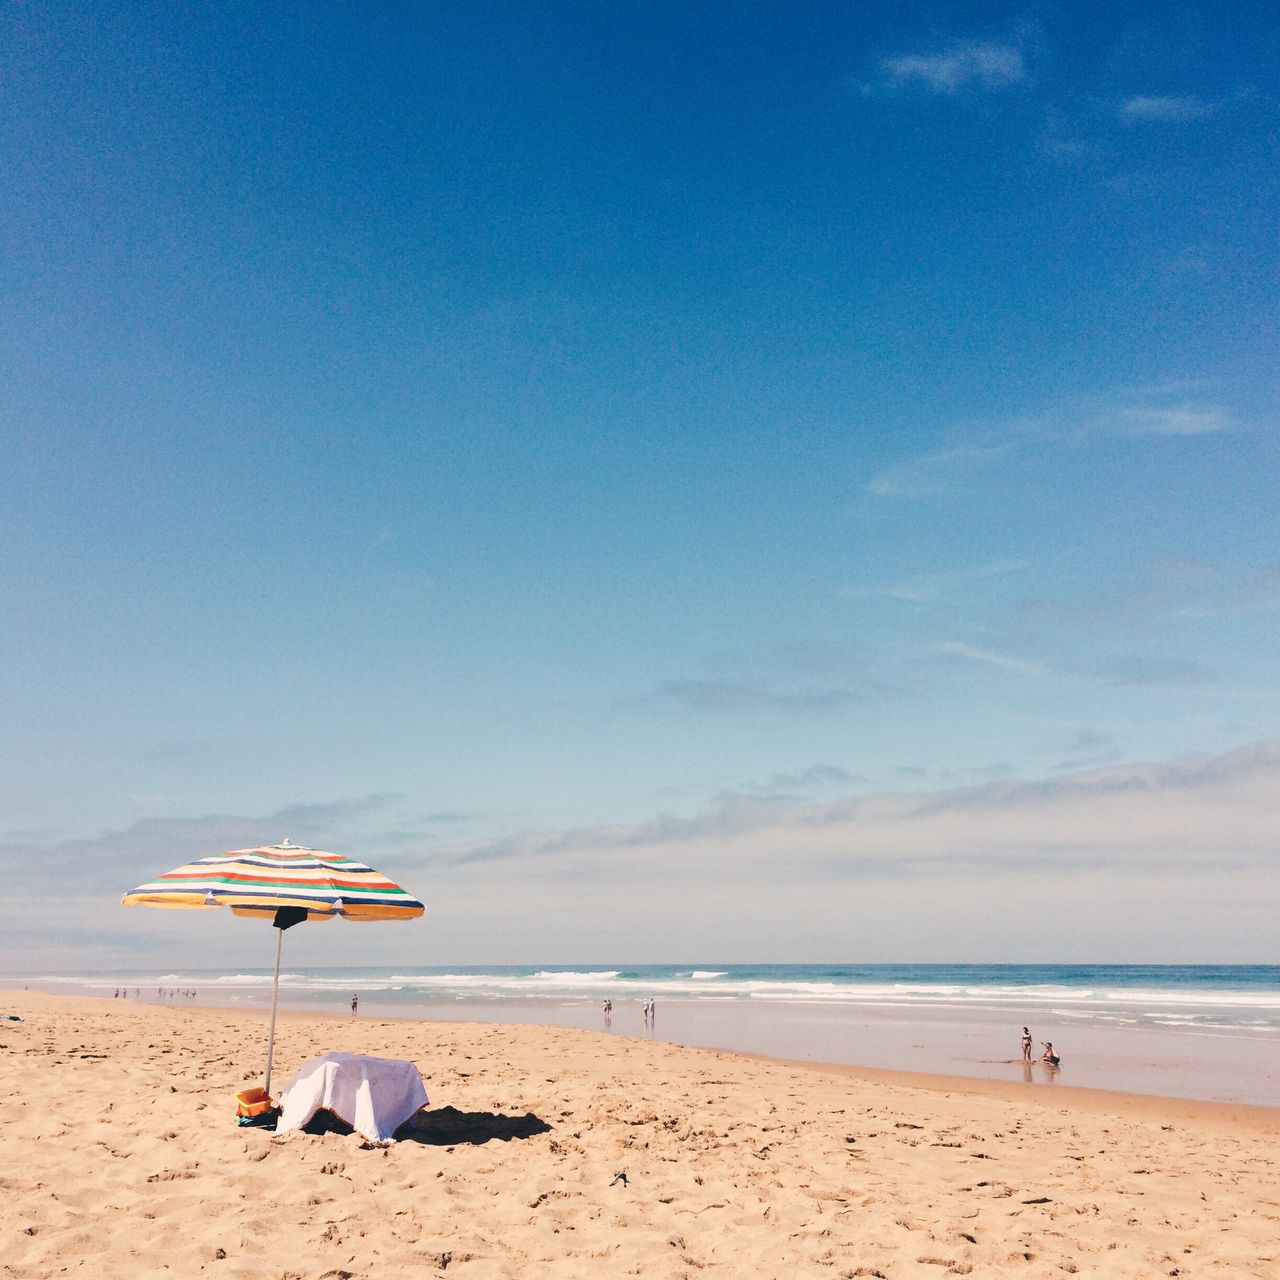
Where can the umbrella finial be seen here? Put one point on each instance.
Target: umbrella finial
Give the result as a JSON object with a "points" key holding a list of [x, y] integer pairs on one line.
{"points": [[284, 844]]}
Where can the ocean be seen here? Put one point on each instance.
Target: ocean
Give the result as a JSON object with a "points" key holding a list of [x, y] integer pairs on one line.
{"points": [[1208, 996], [1200, 1031]]}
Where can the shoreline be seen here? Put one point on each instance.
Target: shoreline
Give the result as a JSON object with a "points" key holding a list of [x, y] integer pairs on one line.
{"points": [[1083, 1097], [1238, 1065]]}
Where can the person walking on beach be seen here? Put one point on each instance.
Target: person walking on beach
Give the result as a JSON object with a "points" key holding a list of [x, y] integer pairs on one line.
{"points": [[355, 1004], [1026, 1045]]}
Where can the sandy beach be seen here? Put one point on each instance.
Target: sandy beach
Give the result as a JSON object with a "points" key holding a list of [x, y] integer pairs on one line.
{"points": [[119, 1156]]}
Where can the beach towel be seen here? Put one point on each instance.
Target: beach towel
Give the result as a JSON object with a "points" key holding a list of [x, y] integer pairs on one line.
{"points": [[375, 1096]]}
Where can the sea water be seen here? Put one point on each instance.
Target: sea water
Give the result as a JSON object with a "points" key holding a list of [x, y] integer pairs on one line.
{"points": [[1221, 996], [1200, 1031]]}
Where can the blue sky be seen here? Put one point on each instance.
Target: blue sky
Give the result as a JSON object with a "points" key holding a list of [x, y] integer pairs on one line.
{"points": [[568, 455]]}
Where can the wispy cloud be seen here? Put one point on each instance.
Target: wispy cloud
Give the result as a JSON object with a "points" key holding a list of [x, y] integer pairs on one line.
{"points": [[939, 472], [195, 753], [1212, 811], [1165, 109], [1078, 129], [726, 698], [1127, 670], [1145, 671], [114, 861], [1220, 594], [928, 587], [69, 889], [1186, 419], [961, 65], [989, 658], [805, 782], [1169, 590], [1170, 411], [1086, 749]]}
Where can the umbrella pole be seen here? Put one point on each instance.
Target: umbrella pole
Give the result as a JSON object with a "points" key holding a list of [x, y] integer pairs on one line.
{"points": [[275, 999]]}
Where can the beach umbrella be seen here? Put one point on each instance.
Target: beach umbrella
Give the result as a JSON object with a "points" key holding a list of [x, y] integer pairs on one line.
{"points": [[285, 884]]}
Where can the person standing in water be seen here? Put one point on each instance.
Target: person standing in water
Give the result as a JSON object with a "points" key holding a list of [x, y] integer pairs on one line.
{"points": [[1026, 1045], [355, 1004]]}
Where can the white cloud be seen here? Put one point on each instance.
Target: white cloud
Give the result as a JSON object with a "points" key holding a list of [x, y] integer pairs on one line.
{"points": [[964, 64]]}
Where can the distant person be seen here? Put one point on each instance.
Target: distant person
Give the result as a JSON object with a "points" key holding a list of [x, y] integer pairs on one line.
{"points": [[1048, 1056], [653, 1011], [1026, 1045], [355, 1004]]}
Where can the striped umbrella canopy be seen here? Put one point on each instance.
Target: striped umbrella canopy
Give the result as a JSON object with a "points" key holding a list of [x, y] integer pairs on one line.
{"points": [[285, 884], [258, 882]]}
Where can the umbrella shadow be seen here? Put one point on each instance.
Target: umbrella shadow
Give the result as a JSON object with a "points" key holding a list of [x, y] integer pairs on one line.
{"points": [[445, 1127]]}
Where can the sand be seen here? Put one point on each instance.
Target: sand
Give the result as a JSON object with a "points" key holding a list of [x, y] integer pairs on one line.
{"points": [[119, 1156]]}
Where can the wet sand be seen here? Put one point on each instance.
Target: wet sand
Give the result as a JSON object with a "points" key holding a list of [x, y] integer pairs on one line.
{"points": [[1235, 1065], [1120, 1052]]}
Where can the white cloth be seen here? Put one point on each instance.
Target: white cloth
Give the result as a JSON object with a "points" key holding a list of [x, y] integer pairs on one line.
{"points": [[375, 1096]]}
